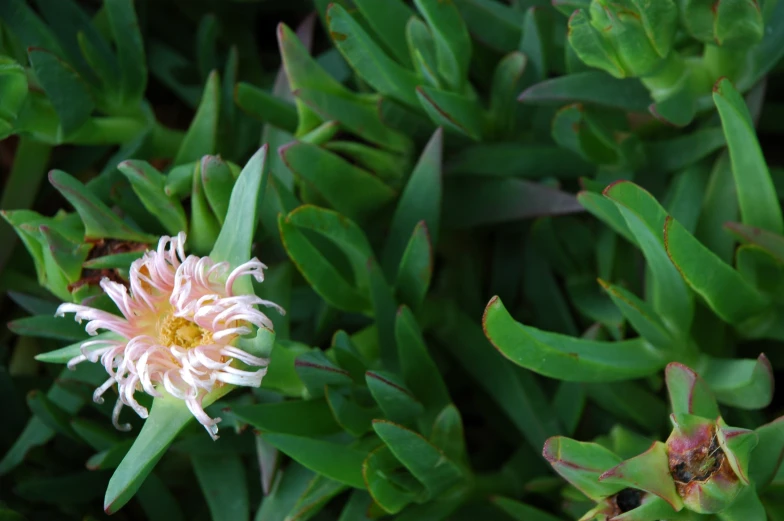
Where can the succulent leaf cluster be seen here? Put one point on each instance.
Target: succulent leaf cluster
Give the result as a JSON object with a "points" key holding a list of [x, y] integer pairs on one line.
{"points": [[528, 258]]}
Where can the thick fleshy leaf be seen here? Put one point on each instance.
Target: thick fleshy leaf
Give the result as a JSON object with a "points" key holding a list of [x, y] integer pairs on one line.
{"points": [[425, 461], [641, 316], [517, 160], [607, 212], [448, 434], [223, 484], [64, 354], [66, 90], [767, 456], [520, 511], [350, 415], [29, 28], [234, 242], [419, 201], [507, 82], [99, 221], [168, 416], [217, 182], [453, 111], [416, 268], [264, 106], [320, 273], [330, 176], [514, 390], [590, 87], [671, 155], [202, 136], [581, 464], [289, 486], [368, 59], [316, 370], [378, 469], [422, 48], [148, 184], [502, 200], [339, 462], [46, 326], [737, 445], [130, 47], [564, 357], [453, 43], [52, 415], [492, 23], [361, 117], [388, 20], [396, 401], [721, 287], [384, 308], [649, 471], [770, 242], [61, 394], [300, 417], [720, 205], [759, 204], [645, 218], [689, 393], [746, 384], [419, 371]]}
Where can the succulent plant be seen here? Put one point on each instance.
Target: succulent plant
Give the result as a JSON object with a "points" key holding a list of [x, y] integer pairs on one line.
{"points": [[252, 284]]}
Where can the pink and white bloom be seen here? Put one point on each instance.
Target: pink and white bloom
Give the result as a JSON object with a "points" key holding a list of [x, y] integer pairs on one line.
{"points": [[178, 322]]}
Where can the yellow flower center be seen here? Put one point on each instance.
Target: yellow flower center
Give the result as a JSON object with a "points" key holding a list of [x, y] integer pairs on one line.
{"points": [[182, 332]]}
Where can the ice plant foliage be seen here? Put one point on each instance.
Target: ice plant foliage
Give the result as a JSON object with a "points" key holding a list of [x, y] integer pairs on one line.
{"points": [[178, 322]]}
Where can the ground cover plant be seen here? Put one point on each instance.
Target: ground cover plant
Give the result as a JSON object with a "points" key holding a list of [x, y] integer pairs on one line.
{"points": [[388, 259]]}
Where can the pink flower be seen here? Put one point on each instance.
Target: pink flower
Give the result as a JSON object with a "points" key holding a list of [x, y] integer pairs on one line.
{"points": [[177, 326]]}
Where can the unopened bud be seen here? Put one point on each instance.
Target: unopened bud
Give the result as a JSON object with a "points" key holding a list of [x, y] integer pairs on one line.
{"points": [[735, 24], [708, 461], [624, 37]]}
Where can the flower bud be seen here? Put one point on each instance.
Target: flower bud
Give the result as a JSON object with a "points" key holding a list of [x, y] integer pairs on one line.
{"points": [[708, 461], [735, 24], [624, 37]]}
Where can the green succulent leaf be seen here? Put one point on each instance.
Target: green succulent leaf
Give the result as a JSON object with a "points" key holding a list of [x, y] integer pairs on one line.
{"points": [[168, 416], [66, 90], [425, 461], [369, 60], [722, 288], [330, 176], [396, 401], [419, 201], [298, 417], [453, 43], [148, 184], [746, 384], [758, 203], [564, 357], [99, 221], [341, 463], [581, 464], [130, 48], [689, 394]]}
